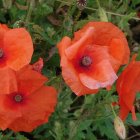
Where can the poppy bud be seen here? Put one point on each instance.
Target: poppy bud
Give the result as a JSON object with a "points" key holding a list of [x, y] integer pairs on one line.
{"points": [[120, 128], [38, 65]]}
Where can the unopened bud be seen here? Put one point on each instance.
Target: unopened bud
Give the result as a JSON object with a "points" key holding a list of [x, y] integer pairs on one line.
{"points": [[120, 128], [38, 65]]}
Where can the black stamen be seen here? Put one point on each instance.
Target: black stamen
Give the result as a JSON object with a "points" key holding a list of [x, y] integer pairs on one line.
{"points": [[18, 98], [86, 61]]}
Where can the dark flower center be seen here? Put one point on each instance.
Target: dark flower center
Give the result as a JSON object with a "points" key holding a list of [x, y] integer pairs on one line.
{"points": [[86, 61], [1, 53], [18, 98]]}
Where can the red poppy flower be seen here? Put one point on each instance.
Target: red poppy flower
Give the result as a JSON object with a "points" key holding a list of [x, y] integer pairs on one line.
{"points": [[128, 84], [16, 47], [30, 105], [91, 59]]}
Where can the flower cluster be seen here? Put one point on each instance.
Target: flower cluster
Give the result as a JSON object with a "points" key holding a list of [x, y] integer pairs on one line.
{"points": [[89, 61], [25, 102]]}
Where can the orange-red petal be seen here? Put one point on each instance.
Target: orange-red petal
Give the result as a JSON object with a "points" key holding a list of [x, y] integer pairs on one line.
{"points": [[39, 107], [87, 38], [69, 74], [30, 80], [103, 76], [104, 32], [128, 85], [3, 30], [18, 47], [8, 82]]}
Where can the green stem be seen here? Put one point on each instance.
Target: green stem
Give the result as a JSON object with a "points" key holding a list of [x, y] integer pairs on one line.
{"points": [[78, 15], [94, 9], [114, 113], [30, 9], [98, 3]]}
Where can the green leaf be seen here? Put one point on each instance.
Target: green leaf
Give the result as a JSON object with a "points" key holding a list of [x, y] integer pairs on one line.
{"points": [[21, 137], [123, 24], [130, 121], [106, 128], [80, 24], [84, 125], [135, 2]]}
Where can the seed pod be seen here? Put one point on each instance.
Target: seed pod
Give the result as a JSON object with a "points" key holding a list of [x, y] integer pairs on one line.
{"points": [[81, 4], [120, 128]]}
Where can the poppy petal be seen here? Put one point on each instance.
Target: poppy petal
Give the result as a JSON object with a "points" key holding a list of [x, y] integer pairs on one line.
{"points": [[30, 80], [104, 33], [91, 83], [3, 30], [66, 41], [44, 99], [18, 47], [124, 111], [39, 107], [7, 116], [73, 49], [102, 76], [71, 78], [6, 119], [116, 46], [63, 44], [8, 82], [131, 84], [128, 85]]}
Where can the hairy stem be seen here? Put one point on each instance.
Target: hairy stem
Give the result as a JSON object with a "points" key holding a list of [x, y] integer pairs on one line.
{"points": [[94, 9]]}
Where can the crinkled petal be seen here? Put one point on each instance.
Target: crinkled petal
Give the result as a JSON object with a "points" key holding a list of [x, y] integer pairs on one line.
{"points": [[6, 119], [87, 38], [3, 30], [8, 82], [104, 33], [30, 80], [19, 48], [68, 72], [103, 76], [71, 78], [128, 85], [7, 116], [39, 107], [124, 111], [131, 84], [63, 44], [117, 49]]}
